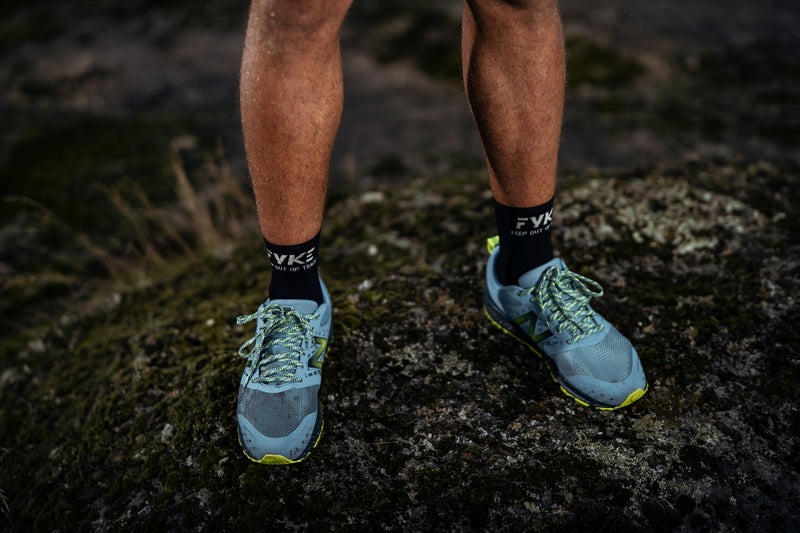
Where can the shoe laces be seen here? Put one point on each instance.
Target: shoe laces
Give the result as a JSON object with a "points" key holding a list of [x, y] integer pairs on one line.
{"points": [[283, 327], [565, 297]]}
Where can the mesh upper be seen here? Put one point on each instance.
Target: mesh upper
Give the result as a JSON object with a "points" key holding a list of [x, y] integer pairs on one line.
{"points": [[276, 415], [609, 360]]}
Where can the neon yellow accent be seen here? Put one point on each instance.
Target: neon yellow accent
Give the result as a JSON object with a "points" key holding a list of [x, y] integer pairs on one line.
{"points": [[566, 296], [504, 330], [492, 243], [275, 460], [632, 397], [635, 395], [523, 318], [279, 459], [532, 317], [322, 350], [583, 403]]}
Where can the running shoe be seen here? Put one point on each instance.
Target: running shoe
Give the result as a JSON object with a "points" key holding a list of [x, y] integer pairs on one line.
{"points": [[548, 311], [279, 414]]}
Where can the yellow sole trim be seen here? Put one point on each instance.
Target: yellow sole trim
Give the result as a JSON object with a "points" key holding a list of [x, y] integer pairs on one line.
{"points": [[279, 459], [504, 330], [632, 397], [635, 395]]}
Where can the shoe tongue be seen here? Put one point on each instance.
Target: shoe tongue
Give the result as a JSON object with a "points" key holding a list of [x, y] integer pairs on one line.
{"points": [[304, 307], [531, 277]]}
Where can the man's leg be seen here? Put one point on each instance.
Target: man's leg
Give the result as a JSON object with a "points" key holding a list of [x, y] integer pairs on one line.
{"points": [[513, 56], [291, 103], [514, 73]]}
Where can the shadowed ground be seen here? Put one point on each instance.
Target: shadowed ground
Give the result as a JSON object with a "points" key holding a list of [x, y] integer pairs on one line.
{"points": [[123, 416], [127, 249]]}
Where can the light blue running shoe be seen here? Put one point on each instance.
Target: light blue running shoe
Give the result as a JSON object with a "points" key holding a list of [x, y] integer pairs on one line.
{"points": [[279, 414], [549, 312]]}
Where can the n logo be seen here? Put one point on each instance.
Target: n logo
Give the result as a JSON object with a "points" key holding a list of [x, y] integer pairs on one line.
{"points": [[532, 317], [322, 348]]}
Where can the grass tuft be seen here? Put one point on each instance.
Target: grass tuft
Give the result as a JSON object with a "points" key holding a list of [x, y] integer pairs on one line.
{"points": [[212, 212]]}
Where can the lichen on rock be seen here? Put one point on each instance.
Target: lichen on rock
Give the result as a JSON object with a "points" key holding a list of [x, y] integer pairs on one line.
{"points": [[123, 416]]}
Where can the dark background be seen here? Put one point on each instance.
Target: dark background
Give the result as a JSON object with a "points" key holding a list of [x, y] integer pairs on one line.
{"points": [[128, 245]]}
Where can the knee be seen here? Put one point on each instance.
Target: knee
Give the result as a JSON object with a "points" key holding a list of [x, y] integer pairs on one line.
{"points": [[300, 17]]}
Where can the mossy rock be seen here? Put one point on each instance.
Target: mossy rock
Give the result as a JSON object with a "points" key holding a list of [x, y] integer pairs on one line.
{"points": [[122, 415]]}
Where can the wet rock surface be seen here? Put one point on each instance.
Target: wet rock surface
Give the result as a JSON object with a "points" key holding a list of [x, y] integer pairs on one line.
{"points": [[124, 417]]}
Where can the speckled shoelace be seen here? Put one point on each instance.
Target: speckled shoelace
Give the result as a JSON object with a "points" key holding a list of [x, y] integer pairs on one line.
{"points": [[565, 297], [283, 327]]}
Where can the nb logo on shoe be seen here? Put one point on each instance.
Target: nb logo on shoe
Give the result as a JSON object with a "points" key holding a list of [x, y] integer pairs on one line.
{"points": [[319, 357], [531, 317]]}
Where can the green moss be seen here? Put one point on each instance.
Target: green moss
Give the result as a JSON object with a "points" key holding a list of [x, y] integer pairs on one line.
{"points": [[428, 35], [589, 62], [430, 415], [83, 154]]}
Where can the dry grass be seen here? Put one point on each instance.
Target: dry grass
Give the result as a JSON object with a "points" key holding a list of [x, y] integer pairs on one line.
{"points": [[211, 216], [212, 212]]}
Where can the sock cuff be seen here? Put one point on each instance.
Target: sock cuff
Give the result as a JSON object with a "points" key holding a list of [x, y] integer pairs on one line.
{"points": [[523, 221], [293, 257]]}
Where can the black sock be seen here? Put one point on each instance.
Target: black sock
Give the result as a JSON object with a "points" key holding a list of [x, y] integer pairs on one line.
{"points": [[524, 239], [294, 271]]}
